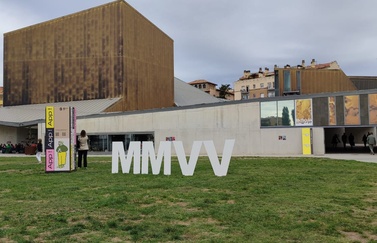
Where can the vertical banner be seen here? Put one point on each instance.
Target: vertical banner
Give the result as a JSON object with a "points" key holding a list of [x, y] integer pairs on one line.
{"points": [[303, 112], [49, 140], [351, 110], [73, 137], [372, 107], [306, 141], [332, 110], [60, 137]]}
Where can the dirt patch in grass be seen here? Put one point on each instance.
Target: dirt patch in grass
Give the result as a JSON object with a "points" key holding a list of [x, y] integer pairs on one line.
{"points": [[363, 238], [354, 236]]}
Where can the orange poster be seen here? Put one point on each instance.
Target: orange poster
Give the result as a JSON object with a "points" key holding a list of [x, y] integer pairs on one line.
{"points": [[372, 102], [304, 112], [351, 110], [332, 111]]}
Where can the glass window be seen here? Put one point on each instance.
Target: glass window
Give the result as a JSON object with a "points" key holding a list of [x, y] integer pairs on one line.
{"points": [[204, 86], [262, 85], [261, 95], [268, 113], [287, 80], [277, 86], [253, 86], [286, 111]]}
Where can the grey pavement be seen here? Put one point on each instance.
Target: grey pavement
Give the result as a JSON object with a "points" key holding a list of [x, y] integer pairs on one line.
{"points": [[362, 157]]}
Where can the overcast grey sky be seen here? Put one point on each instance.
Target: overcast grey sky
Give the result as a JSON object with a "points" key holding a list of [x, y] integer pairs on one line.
{"points": [[217, 40]]}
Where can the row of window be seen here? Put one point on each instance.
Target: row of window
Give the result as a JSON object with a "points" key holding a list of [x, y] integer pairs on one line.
{"points": [[270, 85], [200, 86]]}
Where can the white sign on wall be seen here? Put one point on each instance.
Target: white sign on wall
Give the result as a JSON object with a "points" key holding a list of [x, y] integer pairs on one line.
{"points": [[164, 151]]}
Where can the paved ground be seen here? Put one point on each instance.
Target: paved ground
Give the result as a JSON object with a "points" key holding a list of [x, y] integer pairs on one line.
{"points": [[362, 156]]}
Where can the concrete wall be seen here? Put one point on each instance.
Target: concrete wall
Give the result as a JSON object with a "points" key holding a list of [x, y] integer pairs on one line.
{"points": [[14, 134], [238, 121]]}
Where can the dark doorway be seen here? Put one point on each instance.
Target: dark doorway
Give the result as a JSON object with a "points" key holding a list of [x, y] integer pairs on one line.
{"points": [[333, 145]]}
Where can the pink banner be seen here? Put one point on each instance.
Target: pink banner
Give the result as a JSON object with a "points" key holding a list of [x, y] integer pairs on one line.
{"points": [[50, 158]]}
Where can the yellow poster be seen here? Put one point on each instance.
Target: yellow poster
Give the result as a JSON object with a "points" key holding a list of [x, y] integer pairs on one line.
{"points": [[372, 102], [49, 117], [306, 141], [351, 110], [304, 112], [332, 111]]}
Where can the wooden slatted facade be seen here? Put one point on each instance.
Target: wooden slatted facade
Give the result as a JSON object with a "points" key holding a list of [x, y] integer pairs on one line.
{"points": [[103, 52], [311, 81]]}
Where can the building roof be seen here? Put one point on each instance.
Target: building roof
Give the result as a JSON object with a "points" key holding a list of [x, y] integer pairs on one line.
{"points": [[28, 115], [201, 81], [185, 94], [364, 82]]}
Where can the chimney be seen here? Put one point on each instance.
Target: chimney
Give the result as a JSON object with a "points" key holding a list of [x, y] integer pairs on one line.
{"points": [[246, 73], [303, 63], [260, 70], [312, 64], [266, 70]]}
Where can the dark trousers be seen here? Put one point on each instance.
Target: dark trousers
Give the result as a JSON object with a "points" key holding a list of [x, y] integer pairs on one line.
{"points": [[83, 153]]}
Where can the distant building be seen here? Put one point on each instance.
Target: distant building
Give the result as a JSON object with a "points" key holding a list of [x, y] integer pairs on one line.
{"points": [[312, 79], [211, 88], [298, 80], [255, 85]]}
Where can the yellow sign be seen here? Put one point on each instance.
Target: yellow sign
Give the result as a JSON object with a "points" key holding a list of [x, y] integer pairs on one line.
{"points": [[306, 141], [49, 117]]}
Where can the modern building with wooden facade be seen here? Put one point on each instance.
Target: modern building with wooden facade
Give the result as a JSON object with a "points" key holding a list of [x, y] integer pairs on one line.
{"points": [[312, 79], [110, 51], [1, 96]]}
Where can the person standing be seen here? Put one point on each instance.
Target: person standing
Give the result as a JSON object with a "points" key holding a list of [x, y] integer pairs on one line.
{"points": [[39, 150], [365, 140], [371, 142], [344, 140], [335, 140], [83, 148], [351, 140]]}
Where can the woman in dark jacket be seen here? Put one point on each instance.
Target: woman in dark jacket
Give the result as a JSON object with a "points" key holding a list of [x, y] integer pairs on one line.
{"points": [[39, 151], [83, 148]]}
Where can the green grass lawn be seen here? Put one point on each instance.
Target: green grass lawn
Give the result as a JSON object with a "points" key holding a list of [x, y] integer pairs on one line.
{"points": [[260, 200]]}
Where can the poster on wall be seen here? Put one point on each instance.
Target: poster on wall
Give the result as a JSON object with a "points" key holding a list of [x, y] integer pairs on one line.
{"points": [[332, 110], [351, 110], [60, 139], [303, 112], [372, 106], [306, 141]]}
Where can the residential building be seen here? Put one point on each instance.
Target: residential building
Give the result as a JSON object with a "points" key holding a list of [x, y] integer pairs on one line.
{"points": [[312, 79], [255, 85], [98, 53], [211, 88]]}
